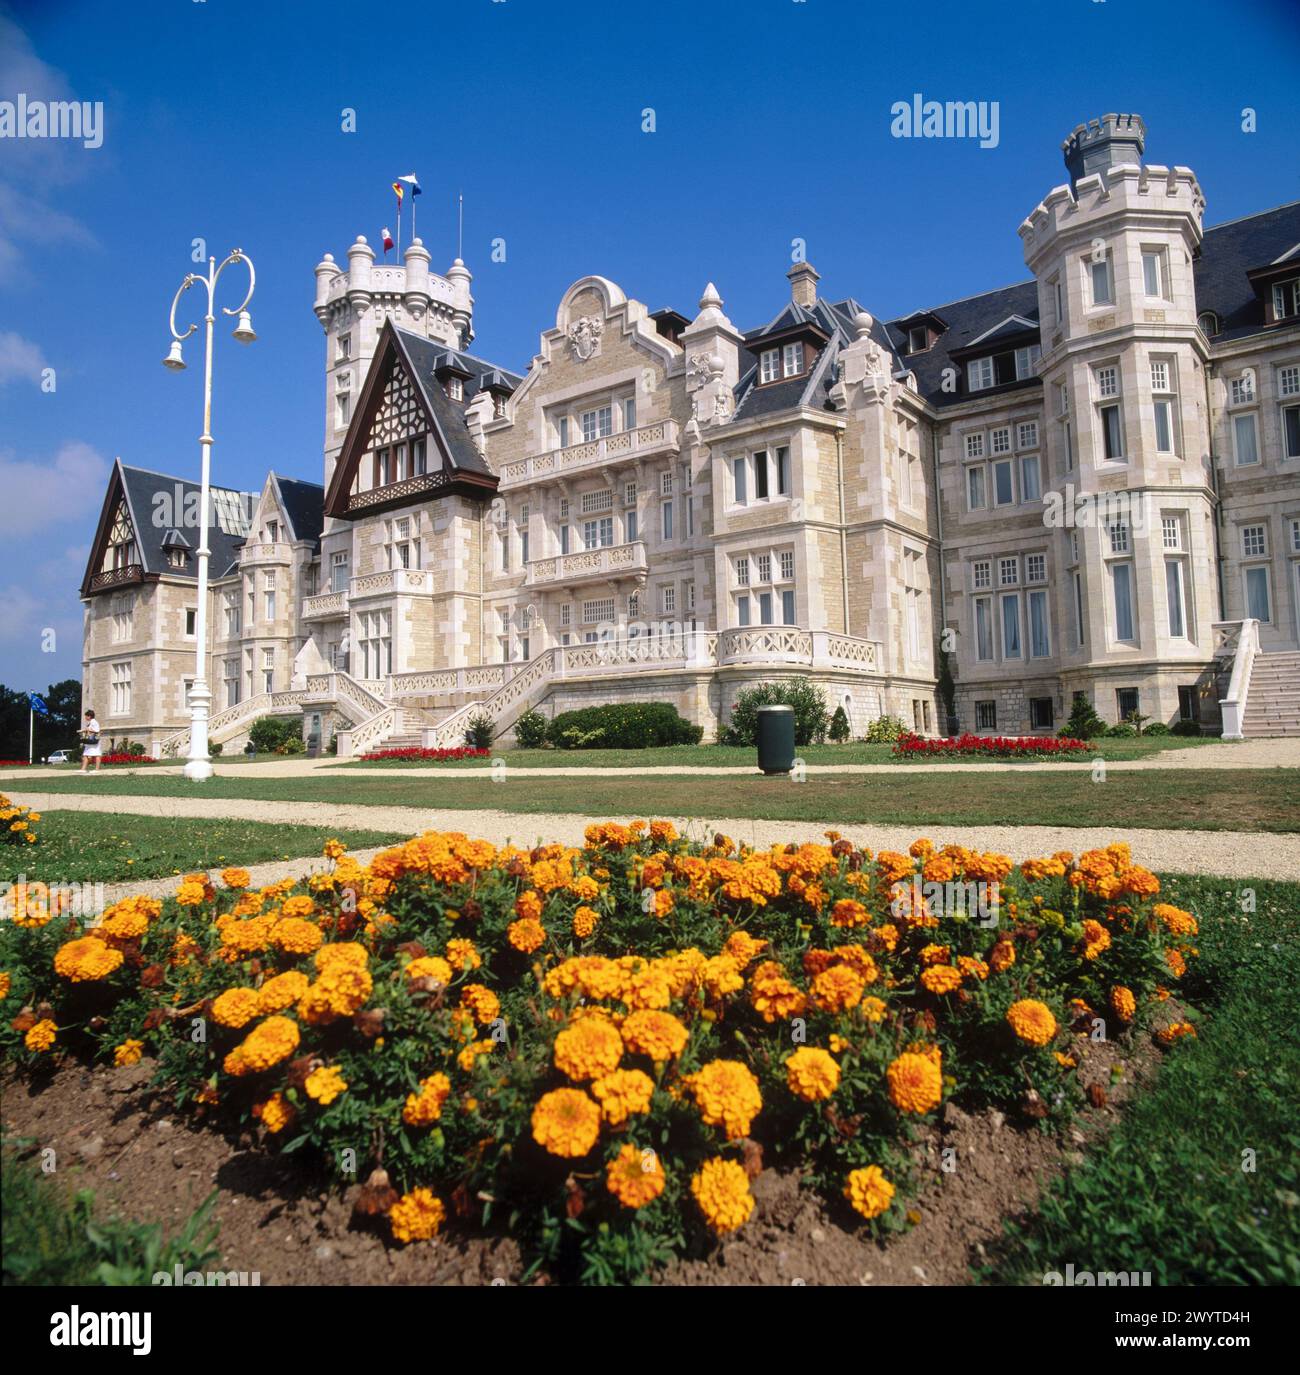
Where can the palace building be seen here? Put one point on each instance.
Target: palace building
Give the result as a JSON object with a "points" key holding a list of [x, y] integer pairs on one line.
{"points": [[1085, 483]]}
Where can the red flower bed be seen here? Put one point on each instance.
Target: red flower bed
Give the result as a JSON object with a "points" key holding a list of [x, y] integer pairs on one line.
{"points": [[991, 746], [436, 756], [128, 759], [12, 763]]}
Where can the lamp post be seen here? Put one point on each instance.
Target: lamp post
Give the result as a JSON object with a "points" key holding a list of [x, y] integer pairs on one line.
{"points": [[199, 766]]}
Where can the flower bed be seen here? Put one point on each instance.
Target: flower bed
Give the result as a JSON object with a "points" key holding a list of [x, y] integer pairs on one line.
{"points": [[15, 763], [17, 824], [993, 746], [414, 752], [605, 1044]]}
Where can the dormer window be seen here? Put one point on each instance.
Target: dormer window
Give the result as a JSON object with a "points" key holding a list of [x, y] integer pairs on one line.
{"points": [[456, 388], [1286, 299], [769, 365], [1209, 323], [792, 361], [1000, 368], [918, 339], [176, 558]]}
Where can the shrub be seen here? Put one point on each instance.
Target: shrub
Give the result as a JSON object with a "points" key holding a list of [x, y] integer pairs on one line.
{"points": [[530, 730], [1185, 728], [268, 733], [135, 747], [1122, 731], [884, 730], [622, 726], [1084, 723], [1156, 728], [807, 699], [480, 731], [839, 727], [214, 750]]}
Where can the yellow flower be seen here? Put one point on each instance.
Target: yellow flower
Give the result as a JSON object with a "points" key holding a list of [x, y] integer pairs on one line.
{"points": [[86, 959], [727, 1096], [417, 1216], [334, 849], [276, 1113], [721, 1188], [295, 936], [584, 922], [869, 1191], [267, 1044], [41, 1036], [236, 878], [837, 989], [1122, 1003], [325, 1084], [622, 1093], [481, 1002], [941, 978], [128, 1052], [915, 1083], [635, 1177], [425, 1107], [811, 1074], [526, 934], [656, 1034], [281, 991], [236, 1007], [430, 967], [566, 1122], [5, 983], [589, 1049], [1032, 1021], [462, 955]]}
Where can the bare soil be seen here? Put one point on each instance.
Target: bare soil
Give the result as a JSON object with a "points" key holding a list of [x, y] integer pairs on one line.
{"points": [[286, 1221]]}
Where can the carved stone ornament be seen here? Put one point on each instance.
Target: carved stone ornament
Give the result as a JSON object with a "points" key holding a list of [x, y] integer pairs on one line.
{"points": [[584, 335]]}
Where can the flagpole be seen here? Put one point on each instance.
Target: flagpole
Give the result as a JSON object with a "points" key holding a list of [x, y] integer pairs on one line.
{"points": [[413, 199], [31, 731], [399, 229], [460, 225]]}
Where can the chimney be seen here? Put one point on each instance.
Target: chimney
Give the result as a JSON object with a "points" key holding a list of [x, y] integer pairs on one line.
{"points": [[1111, 141], [803, 284]]}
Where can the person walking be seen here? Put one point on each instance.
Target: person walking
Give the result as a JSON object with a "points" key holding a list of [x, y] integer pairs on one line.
{"points": [[90, 747]]}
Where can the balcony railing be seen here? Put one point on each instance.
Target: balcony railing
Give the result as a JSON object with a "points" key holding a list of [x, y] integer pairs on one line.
{"points": [[325, 606], [394, 492], [590, 565], [390, 581], [116, 577], [256, 552], [645, 440]]}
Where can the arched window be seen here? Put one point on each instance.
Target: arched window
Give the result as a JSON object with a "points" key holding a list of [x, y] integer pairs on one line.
{"points": [[1209, 323]]}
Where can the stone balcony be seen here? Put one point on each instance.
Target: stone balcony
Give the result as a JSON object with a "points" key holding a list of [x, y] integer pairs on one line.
{"points": [[257, 552], [646, 441], [609, 562], [390, 582], [324, 607]]}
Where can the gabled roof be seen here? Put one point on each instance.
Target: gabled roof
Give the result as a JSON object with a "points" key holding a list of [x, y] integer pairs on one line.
{"points": [[462, 468], [834, 320], [157, 506], [1010, 328], [1230, 251], [303, 504]]}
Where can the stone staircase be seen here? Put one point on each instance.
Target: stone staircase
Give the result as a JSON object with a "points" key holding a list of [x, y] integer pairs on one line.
{"points": [[1273, 706]]}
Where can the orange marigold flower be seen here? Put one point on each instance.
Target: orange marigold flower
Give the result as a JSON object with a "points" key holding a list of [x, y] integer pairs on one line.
{"points": [[325, 1083], [869, 1192], [462, 955], [1002, 956], [417, 1216], [1032, 1021], [86, 960], [295, 936], [276, 1113], [915, 1083], [622, 1093], [584, 922], [589, 1049], [236, 1007], [481, 1002], [1175, 920], [721, 1189], [837, 989], [267, 1044], [811, 1074], [849, 912], [282, 991], [941, 978], [429, 967], [40, 1036], [727, 1096], [1122, 1003], [1096, 938], [128, 1053], [635, 1177], [425, 1107], [526, 934], [528, 905], [566, 1122], [1177, 965], [658, 1035]]}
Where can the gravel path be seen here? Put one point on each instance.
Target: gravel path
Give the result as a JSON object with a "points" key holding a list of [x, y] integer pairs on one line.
{"points": [[1228, 854], [1280, 753]]}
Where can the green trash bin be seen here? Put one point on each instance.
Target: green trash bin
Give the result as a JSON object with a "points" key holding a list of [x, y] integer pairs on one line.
{"points": [[776, 739]]}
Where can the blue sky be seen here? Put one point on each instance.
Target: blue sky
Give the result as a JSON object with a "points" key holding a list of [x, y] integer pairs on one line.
{"points": [[223, 122]]}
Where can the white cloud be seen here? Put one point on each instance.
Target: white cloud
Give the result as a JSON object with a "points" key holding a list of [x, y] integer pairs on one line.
{"points": [[20, 359], [38, 495]]}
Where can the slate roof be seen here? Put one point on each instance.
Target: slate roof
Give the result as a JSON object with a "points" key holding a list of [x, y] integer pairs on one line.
{"points": [[834, 319], [304, 507], [229, 528], [423, 357], [1228, 252]]}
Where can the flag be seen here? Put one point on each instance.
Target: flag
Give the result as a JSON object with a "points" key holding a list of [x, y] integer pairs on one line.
{"points": [[413, 182], [37, 705], [388, 240], [398, 192]]}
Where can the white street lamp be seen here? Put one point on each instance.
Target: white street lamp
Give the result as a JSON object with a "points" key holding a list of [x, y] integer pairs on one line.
{"points": [[199, 765]]}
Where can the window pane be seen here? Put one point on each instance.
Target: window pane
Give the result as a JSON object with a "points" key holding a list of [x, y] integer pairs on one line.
{"points": [[1002, 484], [742, 481], [1039, 643], [760, 476], [975, 481], [1257, 594], [787, 607], [1151, 273], [1029, 488], [1164, 442], [1174, 595], [983, 629], [1120, 579], [1110, 420], [1011, 627], [1244, 429]]}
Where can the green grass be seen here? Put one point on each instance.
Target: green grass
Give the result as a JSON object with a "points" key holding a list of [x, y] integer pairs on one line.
{"points": [[1218, 799], [1166, 1191], [727, 756], [106, 847], [52, 1236]]}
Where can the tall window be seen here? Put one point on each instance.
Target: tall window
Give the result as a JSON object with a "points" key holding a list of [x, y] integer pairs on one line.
{"points": [[1121, 577], [268, 593], [268, 670], [1288, 388], [123, 606], [598, 533], [120, 688], [230, 606], [597, 424], [1258, 602], [339, 571], [1153, 273], [1011, 625], [666, 509], [230, 680], [769, 364], [984, 629], [1030, 485], [376, 643], [629, 413], [403, 546], [1099, 279], [1244, 440], [1174, 598], [740, 477], [913, 594], [792, 360], [1040, 640], [1162, 404]]}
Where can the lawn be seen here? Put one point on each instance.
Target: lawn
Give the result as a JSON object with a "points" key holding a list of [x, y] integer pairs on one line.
{"points": [[103, 847], [728, 756], [1174, 1190], [1189, 799]]}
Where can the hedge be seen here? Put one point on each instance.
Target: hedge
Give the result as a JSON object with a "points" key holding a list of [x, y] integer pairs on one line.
{"points": [[621, 726]]}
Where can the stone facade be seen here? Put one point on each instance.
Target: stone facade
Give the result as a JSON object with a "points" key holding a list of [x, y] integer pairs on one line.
{"points": [[1063, 487]]}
